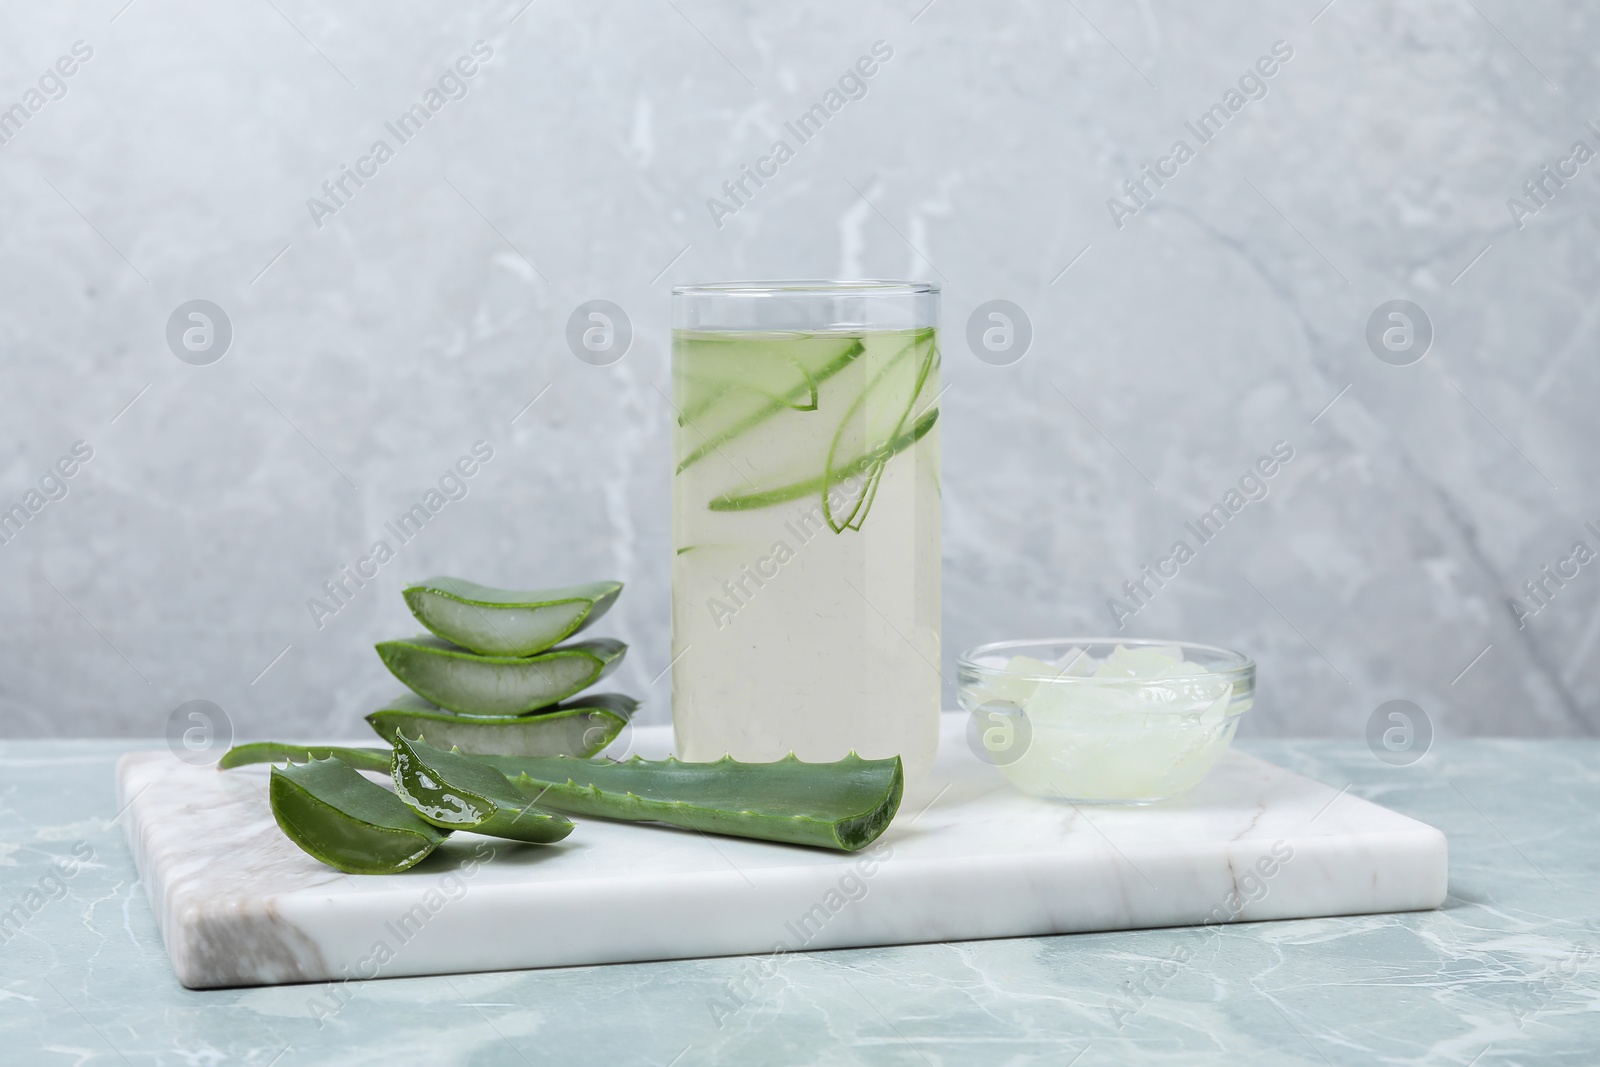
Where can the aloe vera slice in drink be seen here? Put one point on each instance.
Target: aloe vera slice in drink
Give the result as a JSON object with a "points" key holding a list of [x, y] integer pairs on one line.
{"points": [[362, 759], [737, 411], [720, 371], [349, 822], [872, 422], [463, 681], [507, 622], [453, 792], [782, 494], [843, 805], [583, 726]]}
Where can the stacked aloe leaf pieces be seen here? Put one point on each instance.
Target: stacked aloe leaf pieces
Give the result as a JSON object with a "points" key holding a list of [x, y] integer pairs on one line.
{"points": [[497, 736], [494, 653], [497, 677]]}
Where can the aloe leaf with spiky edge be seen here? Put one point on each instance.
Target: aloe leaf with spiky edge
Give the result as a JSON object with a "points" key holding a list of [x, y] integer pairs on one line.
{"points": [[465, 682], [507, 622], [362, 759], [841, 805], [347, 821], [582, 726], [455, 792]]}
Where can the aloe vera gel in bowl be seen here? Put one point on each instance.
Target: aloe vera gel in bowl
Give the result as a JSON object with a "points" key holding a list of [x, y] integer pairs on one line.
{"points": [[805, 521], [1104, 721]]}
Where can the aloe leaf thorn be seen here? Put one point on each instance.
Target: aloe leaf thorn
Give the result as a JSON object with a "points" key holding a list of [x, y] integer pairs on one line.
{"points": [[362, 759]]}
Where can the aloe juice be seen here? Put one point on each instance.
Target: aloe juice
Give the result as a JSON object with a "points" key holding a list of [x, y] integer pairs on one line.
{"points": [[805, 582]]}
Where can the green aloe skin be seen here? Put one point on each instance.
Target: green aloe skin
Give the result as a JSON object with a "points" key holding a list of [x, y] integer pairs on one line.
{"points": [[362, 759], [347, 821], [843, 805], [582, 726], [471, 684], [455, 792], [506, 622]]}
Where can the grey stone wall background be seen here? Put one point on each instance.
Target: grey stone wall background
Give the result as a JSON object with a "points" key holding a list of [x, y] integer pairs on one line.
{"points": [[1227, 314]]}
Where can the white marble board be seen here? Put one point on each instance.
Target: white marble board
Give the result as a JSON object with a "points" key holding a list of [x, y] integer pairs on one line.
{"points": [[967, 857]]}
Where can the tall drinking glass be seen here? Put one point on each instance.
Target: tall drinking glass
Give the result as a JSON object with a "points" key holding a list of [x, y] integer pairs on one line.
{"points": [[805, 521]]}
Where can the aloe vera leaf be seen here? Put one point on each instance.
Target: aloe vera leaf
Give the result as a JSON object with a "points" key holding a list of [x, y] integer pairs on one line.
{"points": [[795, 490], [362, 759], [454, 792], [832, 474], [507, 622], [463, 681], [583, 726], [349, 822], [843, 805], [762, 412]]}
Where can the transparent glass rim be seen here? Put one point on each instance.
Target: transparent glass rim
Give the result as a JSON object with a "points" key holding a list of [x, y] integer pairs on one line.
{"points": [[1240, 665], [867, 287]]}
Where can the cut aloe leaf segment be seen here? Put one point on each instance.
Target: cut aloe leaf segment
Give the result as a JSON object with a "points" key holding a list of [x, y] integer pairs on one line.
{"points": [[716, 412], [347, 821], [507, 622], [362, 759], [464, 682], [582, 726], [844, 805], [454, 792]]}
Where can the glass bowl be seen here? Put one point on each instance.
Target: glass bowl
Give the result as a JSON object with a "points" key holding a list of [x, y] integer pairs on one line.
{"points": [[1098, 720]]}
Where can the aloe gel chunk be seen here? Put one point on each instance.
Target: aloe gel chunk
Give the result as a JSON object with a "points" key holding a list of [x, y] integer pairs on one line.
{"points": [[349, 822], [582, 726], [454, 792], [464, 682], [362, 759], [842, 805], [507, 622]]}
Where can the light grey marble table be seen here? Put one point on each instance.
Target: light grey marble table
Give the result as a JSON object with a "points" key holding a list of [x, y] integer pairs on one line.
{"points": [[1506, 972]]}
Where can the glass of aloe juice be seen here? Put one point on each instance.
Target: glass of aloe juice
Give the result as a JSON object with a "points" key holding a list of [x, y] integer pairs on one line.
{"points": [[805, 521]]}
